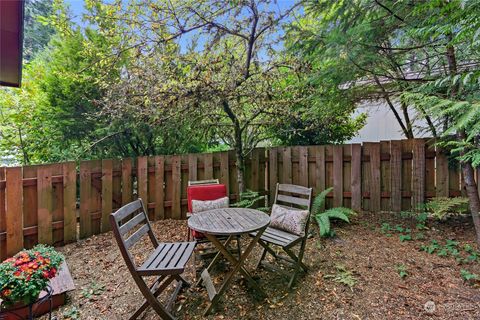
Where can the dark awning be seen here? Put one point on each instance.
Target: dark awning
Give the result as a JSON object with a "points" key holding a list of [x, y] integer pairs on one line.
{"points": [[11, 42]]}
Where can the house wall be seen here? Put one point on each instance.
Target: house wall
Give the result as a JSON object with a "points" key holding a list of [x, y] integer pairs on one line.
{"points": [[382, 125]]}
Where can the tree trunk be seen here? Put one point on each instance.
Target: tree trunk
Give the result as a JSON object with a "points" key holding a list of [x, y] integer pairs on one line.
{"points": [[472, 192], [386, 97], [238, 145], [467, 168], [408, 122], [240, 162]]}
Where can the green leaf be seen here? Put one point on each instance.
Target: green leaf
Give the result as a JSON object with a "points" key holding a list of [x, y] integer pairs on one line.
{"points": [[319, 201], [324, 224], [339, 213]]}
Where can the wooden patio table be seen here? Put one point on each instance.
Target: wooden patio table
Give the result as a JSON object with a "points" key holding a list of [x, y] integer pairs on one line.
{"points": [[231, 222]]}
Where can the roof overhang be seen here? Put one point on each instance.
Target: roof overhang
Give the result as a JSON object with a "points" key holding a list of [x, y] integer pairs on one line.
{"points": [[11, 42]]}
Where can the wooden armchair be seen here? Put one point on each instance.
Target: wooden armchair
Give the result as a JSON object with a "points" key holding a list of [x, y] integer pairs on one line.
{"points": [[293, 197], [167, 262]]}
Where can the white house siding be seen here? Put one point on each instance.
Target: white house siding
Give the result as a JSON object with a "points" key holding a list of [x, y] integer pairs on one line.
{"points": [[381, 124]]}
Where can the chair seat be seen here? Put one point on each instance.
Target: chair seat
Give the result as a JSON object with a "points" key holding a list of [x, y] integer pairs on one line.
{"points": [[279, 237], [168, 258]]}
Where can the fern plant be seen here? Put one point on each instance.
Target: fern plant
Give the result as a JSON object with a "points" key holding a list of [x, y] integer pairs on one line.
{"points": [[250, 199], [323, 217], [442, 208]]}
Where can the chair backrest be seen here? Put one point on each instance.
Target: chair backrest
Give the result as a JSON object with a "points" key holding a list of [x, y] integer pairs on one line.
{"points": [[205, 192], [297, 197], [128, 233], [203, 182]]}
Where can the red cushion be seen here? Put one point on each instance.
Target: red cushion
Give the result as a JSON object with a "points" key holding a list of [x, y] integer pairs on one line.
{"points": [[204, 193]]}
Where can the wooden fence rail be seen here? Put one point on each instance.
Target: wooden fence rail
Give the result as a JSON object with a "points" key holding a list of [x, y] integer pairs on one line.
{"points": [[42, 204]]}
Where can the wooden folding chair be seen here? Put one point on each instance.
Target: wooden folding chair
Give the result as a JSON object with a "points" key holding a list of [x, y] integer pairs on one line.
{"points": [[167, 261], [295, 197]]}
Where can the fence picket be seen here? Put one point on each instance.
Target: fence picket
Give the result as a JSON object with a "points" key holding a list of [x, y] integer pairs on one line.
{"points": [[208, 166], [255, 167], [30, 207], [338, 176], [303, 166], [356, 184], [85, 193], [127, 190], [45, 207], [320, 170], [375, 174], [14, 227], [418, 172], [272, 172], [69, 202], [3, 223], [107, 193], [159, 185], [224, 174], [396, 175], [142, 179], [385, 177], [442, 174], [176, 184], [192, 167], [287, 165]]}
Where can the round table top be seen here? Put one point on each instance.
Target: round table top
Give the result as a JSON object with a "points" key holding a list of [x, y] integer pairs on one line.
{"points": [[228, 221]]}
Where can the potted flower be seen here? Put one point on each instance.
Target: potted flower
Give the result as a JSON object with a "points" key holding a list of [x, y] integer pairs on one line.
{"points": [[24, 276]]}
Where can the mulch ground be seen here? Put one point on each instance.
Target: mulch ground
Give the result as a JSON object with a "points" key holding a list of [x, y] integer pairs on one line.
{"points": [[362, 254]]}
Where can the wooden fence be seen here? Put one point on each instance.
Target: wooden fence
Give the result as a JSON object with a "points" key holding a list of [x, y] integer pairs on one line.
{"points": [[42, 204]]}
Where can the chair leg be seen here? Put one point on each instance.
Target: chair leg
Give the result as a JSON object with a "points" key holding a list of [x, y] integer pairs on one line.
{"points": [[185, 283], [297, 259], [239, 247], [151, 298], [298, 263], [294, 276], [181, 283], [259, 262]]}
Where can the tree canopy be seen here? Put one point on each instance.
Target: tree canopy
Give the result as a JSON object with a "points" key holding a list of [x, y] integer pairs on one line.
{"points": [[167, 77]]}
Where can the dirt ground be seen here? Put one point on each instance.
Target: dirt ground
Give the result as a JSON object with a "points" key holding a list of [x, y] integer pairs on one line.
{"points": [[367, 254]]}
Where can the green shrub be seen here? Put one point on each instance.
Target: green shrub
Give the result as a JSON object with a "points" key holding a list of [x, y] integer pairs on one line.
{"points": [[323, 217], [442, 208]]}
